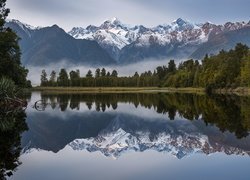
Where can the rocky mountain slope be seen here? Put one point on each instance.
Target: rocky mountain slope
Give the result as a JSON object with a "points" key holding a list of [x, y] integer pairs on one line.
{"points": [[115, 134], [114, 42], [114, 144], [180, 39], [43, 46]]}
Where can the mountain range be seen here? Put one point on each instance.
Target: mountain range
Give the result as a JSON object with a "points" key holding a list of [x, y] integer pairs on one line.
{"points": [[114, 42], [43, 46], [115, 134]]}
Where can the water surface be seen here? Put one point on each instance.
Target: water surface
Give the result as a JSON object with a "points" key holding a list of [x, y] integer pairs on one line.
{"points": [[131, 136]]}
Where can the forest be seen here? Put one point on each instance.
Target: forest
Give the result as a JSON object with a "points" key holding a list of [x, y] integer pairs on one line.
{"points": [[227, 69]]}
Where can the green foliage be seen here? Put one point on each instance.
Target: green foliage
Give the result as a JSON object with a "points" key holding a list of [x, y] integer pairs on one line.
{"points": [[185, 75], [114, 73], [245, 71], [103, 72], [63, 79], [89, 74], [74, 78], [161, 72], [97, 73], [102, 79], [10, 64], [12, 125], [225, 70], [12, 115], [171, 66], [226, 112], [52, 79], [44, 79], [8, 88]]}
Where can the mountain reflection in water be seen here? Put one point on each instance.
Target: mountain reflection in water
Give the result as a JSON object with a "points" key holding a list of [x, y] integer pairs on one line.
{"points": [[39, 143], [180, 124]]}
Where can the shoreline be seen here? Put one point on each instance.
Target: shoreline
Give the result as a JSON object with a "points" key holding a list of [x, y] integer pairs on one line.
{"points": [[240, 91], [117, 90]]}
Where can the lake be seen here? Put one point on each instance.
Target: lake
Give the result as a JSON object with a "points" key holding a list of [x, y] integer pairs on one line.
{"points": [[127, 136]]}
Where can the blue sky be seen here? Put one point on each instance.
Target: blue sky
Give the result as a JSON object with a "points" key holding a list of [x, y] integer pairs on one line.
{"points": [[68, 14]]}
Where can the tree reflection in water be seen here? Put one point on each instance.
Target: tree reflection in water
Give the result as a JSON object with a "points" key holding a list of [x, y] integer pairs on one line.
{"points": [[227, 112], [12, 125]]}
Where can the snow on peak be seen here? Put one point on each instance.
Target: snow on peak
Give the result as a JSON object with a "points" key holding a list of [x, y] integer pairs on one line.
{"points": [[22, 25], [111, 23], [117, 142], [115, 20], [113, 35]]}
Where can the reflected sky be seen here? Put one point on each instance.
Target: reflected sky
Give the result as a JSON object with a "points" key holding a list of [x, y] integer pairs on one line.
{"points": [[69, 164]]}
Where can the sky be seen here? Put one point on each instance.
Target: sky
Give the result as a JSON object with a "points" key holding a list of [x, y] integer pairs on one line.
{"points": [[81, 13]]}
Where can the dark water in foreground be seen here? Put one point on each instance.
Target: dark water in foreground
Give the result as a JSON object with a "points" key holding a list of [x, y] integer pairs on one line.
{"points": [[127, 136]]}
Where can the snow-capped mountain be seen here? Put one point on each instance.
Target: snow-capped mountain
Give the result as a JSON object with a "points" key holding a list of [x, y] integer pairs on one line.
{"points": [[118, 38], [48, 45], [116, 33], [114, 144], [22, 25], [112, 35], [111, 32], [116, 134], [120, 43]]}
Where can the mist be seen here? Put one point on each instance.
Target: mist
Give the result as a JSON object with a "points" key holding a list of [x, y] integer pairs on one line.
{"points": [[123, 70]]}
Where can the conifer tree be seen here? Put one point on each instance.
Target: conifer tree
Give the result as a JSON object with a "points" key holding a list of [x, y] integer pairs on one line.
{"points": [[44, 79], [89, 74]]}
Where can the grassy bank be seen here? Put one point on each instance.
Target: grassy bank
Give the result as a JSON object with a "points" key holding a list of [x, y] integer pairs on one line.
{"points": [[242, 91], [116, 90]]}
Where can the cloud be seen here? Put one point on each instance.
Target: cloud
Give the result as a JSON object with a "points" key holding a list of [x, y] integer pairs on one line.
{"points": [[68, 14]]}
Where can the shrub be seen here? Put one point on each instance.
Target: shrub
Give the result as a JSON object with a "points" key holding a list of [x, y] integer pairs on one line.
{"points": [[8, 88]]}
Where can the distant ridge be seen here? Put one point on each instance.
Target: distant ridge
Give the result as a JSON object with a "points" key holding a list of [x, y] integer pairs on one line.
{"points": [[118, 43], [43, 46]]}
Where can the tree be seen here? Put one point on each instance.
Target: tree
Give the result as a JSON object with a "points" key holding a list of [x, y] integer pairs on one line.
{"points": [[171, 66], [63, 79], [13, 124], [136, 74], [89, 74], [114, 73], [44, 79], [241, 50], [74, 78], [73, 75], [245, 71], [52, 79], [161, 72], [10, 63], [103, 72], [97, 73]]}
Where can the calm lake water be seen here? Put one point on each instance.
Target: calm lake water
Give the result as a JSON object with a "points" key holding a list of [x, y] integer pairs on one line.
{"points": [[128, 136]]}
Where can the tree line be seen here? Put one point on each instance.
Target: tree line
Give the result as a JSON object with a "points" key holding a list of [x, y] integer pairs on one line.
{"points": [[100, 78], [228, 69]]}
